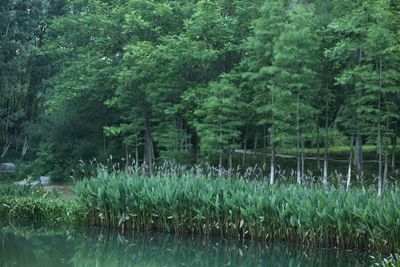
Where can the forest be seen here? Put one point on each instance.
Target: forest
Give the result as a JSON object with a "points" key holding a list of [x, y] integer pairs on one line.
{"points": [[199, 133], [224, 82]]}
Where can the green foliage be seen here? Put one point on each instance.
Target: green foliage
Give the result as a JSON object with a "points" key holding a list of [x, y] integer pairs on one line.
{"points": [[294, 72], [28, 209], [193, 81], [7, 189], [218, 124], [187, 203]]}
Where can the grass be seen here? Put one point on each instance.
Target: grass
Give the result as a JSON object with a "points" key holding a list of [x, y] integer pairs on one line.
{"points": [[10, 189], [188, 203], [39, 210], [34, 205]]}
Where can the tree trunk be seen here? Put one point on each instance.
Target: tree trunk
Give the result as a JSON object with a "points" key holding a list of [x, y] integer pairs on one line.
{"points": [[272, 174], [220, 146], [385, 173], [24, 148], [380, 132], [244, 147], [298, 138], [136, 155], [394, 153], [126, 159], [149, 142], [302, 156], [255, 141], [350, 163], [380, 162], [272, 143], [318, 152], [196, 148], [359, 155], [17, 144], [5, 148], [230, 160], [326, 138], [182, 135], [265, 140]]}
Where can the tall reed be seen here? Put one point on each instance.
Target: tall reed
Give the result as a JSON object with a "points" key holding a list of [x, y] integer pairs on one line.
{"points": [[242, 208]]}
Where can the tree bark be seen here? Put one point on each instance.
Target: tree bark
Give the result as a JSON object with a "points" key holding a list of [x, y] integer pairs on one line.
{"points": [[126, 159], [326, 137], [265, 140], [24, 148], [244, 147], [136, 155], [272, 174], [272, 143], [255, 141], [298, 138], [230, 160], [318, 152], [5, 148], [380, 190], [350, 163], [195, 142], [149, 142], [380, 162], [359, 155], [385, 173], [302, 156], [394, 153], [220, 146]]}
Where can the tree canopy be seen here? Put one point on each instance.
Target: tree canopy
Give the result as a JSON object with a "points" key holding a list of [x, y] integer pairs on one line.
{"points": [[196, 81]]}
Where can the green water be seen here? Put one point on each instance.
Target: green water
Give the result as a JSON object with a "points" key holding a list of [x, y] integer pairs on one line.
{"points": [[47, 248]]}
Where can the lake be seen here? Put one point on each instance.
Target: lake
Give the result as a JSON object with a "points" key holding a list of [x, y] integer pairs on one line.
{"points": [[47, 248]]}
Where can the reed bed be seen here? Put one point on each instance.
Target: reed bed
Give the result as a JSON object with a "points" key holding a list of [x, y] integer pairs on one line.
{"points": [[189, 203], [34, 209]]}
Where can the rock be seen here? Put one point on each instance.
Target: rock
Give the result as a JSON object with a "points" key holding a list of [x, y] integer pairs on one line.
{"points": [[35, 183], [7, 167], [45, 180], [26, 183], [22, 183]]}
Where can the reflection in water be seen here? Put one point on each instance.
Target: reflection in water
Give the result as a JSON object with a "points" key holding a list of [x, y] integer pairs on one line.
{"points": [[84, 249]]}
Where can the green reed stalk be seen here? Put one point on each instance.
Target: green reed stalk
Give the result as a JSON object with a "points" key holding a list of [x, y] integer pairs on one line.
{"points": [[243, 209]]}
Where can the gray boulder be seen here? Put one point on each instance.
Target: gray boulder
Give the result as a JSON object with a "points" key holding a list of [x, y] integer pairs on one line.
{"points": [[8, 167], [45, 180], [35, 183], [26, 183], [22, 183]]}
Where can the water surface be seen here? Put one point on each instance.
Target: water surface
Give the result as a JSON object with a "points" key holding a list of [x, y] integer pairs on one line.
{"points": [[39, 247]]}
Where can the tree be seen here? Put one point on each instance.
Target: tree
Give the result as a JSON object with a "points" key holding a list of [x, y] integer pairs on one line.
{"points": [[256, 76], [351, 27], [22, 69], [294, 72], [379, 107], [218, 124]]}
